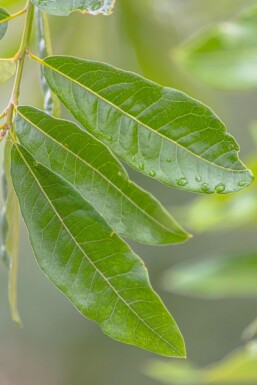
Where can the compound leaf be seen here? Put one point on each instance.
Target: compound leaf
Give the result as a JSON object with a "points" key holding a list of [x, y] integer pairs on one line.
{"points": [[86, 163], [97, 271], [159, 131], [64, 7]]}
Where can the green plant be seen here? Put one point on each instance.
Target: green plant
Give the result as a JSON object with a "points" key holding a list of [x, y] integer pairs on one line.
{"points": [[75, 196]]}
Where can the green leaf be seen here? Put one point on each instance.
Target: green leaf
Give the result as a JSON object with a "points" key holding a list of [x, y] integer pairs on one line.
{"points": [[100, 178], [224, 55], [226, 276], [159, 131], [3, 25], [239, 367], [12, 214], [7, 69], [64, 7], [97, 271]]}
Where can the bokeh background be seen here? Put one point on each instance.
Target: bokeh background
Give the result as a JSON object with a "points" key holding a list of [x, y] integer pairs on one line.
{"points": [[58, 346]]}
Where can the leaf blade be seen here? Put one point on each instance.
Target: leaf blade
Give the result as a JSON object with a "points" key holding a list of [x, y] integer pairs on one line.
{"points": [[73, 246], [90, 167], [159, 131]]}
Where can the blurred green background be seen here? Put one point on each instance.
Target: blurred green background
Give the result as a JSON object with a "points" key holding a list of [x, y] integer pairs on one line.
{"points": [[57, 346]]}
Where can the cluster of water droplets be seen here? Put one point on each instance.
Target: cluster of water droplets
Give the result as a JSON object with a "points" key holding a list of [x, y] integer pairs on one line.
{"points": [[183, 181]]}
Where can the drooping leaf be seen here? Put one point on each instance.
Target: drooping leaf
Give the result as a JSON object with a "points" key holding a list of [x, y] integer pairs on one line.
{"points": [[7, 69], [97, 271], [86, 163], [64, 7], [226, 276], [159, 131], [224, 55], [12, 215], [51, 103], [239, 367], [3, 26]]}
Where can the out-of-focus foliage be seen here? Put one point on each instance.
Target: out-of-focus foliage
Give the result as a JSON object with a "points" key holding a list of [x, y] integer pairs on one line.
{"points": [[251, 331], [217, 277], [3, 25], [239, 367], [225, 54], [7, 69]]}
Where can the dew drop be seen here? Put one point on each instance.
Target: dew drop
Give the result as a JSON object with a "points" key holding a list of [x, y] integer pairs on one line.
{"points": [[109, 138], [241, 184], [198, 179], [169, 160], [35, 163], [152, 173], [220, 188], [141, 166], [182, 181], [205, 187], [133, 158], [120, 173]]}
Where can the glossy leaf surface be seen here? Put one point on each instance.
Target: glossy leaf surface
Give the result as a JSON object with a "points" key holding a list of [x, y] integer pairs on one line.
{"points": [[220, 277], [7, 69], [86, 163], [239, 367], [224, 55], [3, 26], [64, 7], [97, 271], [159, 131]]}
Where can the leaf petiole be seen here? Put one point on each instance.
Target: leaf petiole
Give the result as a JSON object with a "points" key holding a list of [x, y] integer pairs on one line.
{"points": [[14, 15]]}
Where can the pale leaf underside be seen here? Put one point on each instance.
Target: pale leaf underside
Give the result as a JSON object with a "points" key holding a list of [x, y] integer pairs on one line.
{"points": [[64, 7]]}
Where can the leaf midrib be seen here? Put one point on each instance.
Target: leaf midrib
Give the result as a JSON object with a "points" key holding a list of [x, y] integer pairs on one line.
{"points": [[138, 121], [86, 256], [104, 177]]}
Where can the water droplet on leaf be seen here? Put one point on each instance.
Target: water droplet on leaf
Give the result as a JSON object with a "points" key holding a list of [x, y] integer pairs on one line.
{"points": [[205, 187], [241, 183], [141, 166], [198, 179], [220, 188], [182, 182], [152, 173]]}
